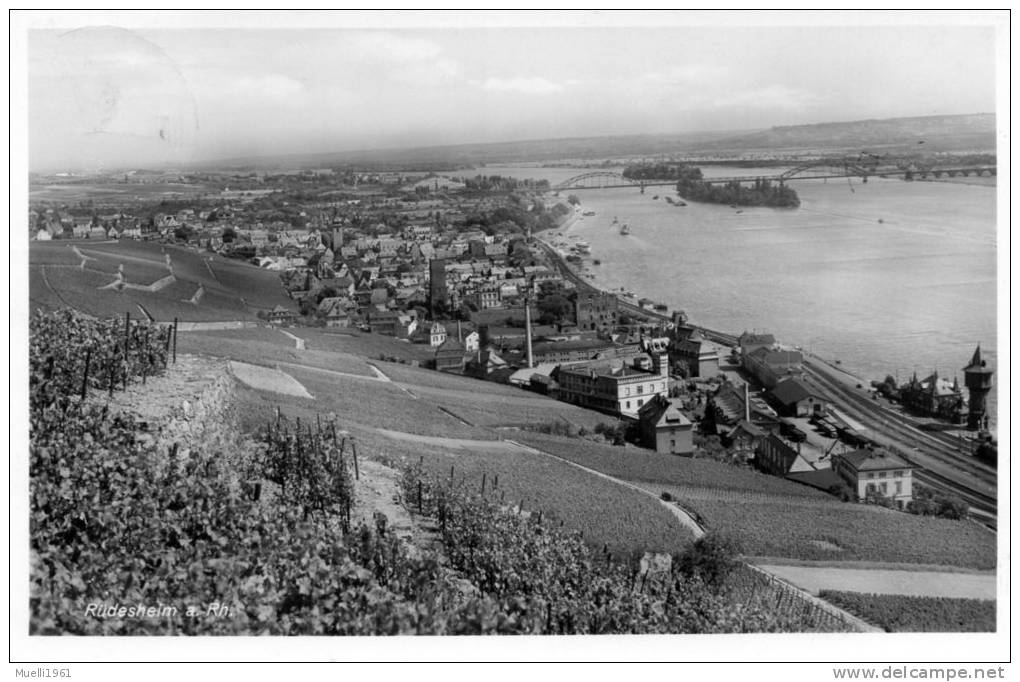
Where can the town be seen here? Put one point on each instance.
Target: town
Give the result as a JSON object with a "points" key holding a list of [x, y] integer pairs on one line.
{"points": [[470, 273]]}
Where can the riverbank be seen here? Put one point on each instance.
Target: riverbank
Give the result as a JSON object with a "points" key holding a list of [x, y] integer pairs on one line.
{"points": [[580, 280], [584, 276]]}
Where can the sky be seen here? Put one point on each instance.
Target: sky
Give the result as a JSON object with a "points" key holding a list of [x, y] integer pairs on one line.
{"points": [[105, 96]]}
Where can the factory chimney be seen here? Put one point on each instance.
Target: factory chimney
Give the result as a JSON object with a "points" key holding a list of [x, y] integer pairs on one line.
{"points": [[527, 319]]}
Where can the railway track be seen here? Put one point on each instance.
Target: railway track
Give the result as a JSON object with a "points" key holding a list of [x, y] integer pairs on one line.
{"points": [[942, 467], [892, 421]]}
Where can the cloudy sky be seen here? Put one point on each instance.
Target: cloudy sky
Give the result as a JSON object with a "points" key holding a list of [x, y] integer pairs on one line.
{"points": [[103, 95]]}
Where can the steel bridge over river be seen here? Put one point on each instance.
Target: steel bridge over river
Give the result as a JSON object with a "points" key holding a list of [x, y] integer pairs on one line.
{"points": [[815, 171]]}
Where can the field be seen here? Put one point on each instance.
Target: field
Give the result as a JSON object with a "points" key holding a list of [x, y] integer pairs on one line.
{"points": [[243, 290], [639, 465], [773, 517], [53, 253], [502, 405], [256, 287], [364, 344], [604, 512], [373, 404], [847, 532], [116, 194], [263, 345], [40, 294], [500, 411], [896, 613], [231, 337]]}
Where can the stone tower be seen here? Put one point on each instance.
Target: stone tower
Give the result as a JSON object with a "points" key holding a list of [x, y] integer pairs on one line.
{"points": [[978, 378]]}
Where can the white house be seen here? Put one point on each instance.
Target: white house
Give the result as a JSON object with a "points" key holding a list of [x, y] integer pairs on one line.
{"points": [[876, 472], [437, 335]]}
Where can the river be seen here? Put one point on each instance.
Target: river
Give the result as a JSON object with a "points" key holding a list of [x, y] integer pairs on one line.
{"points": [[886, 276]]}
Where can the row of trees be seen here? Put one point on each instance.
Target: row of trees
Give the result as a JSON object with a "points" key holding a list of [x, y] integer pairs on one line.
{"points": [[493, 183], [761, 193], [692, 186], [662, 171]]}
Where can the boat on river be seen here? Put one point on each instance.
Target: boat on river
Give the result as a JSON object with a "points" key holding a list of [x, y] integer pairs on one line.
{"points": [[625, 230]]}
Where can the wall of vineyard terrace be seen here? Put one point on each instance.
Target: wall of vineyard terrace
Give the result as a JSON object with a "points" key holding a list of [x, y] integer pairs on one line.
{"points": [[188, 405]]}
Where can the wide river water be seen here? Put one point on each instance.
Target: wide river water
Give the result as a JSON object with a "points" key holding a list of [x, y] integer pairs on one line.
{"points": [[914, 291]]}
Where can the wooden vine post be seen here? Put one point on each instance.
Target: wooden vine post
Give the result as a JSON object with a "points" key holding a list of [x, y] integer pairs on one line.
{"points": [[127, 347], [85, 376], [354, 454]]}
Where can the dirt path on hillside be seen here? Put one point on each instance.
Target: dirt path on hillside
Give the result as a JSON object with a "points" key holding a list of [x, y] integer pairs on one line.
{"points": [[378, 490], [458, 443], [332, 372], [676, 511], [814, 579], [266, 379], [299, 343]]}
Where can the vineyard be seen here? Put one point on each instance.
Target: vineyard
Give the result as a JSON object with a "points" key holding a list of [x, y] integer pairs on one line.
{"points": [[652, 467], [898, 613], [260, 526], [363, 344], [847, 532], [265, 346], [232, 290], [551, 582]]}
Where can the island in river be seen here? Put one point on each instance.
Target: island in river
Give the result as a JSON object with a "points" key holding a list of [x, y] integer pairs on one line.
{"points": [[692, 186]]}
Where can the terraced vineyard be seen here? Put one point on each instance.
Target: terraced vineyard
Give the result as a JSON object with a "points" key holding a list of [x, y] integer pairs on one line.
{"points": [[243, 290]]}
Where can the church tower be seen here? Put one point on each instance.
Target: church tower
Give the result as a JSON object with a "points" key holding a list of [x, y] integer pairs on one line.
{"points": [[978, 378]]}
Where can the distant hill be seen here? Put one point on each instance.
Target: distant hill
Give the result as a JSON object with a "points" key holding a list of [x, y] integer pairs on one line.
{"points": [[494, 152], [965, 133], [958, 133]]}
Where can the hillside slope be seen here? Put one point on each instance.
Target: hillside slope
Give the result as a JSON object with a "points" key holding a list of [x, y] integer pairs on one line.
{"points": [[161, 281], [969, 133]]}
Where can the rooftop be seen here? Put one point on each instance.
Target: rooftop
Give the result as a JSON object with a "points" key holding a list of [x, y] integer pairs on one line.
{"points": [[875, 460]]}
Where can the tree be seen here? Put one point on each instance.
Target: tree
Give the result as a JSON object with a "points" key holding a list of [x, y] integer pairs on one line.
{"points": [[554, 308], [229, 235], [325, 292], [710, 559], [708, 425], [929, 502], [573, 200]]}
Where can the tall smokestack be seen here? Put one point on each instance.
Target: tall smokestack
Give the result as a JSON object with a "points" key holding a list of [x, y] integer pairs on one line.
{"points": [[747, 403], [527, 322]]}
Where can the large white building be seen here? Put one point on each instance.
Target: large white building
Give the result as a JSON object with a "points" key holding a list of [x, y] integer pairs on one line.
{"points": [[876, 472], [615, 386]]}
